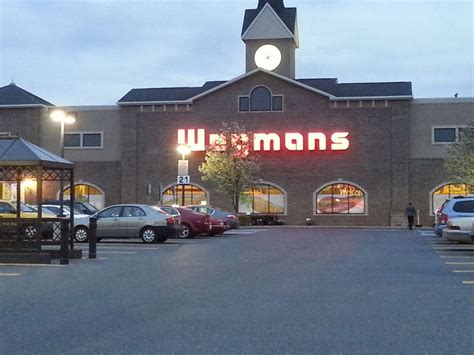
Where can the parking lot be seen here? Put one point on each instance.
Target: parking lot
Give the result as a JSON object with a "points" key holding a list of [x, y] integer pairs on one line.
{"points": [[274, 290], [459, 258]]}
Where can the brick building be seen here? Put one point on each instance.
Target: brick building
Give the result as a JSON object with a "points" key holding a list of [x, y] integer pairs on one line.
{"points": [[341, 154]]}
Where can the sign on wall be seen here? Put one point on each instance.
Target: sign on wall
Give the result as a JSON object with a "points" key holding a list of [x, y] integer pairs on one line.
{"points": [[199, 139]]}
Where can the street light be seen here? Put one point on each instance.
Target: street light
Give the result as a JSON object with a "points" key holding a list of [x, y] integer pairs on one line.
{"points": [[183, 175], [63, 118], [184, 150]]}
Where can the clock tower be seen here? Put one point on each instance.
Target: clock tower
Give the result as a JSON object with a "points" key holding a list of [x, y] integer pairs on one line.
{"points": [[270, 33]]}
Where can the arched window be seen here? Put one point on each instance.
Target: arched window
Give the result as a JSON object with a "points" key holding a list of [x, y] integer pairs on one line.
{"points": [[184, 195], [87, 193], [444, 192], [260, 99], [340, 198], [263, 199]]}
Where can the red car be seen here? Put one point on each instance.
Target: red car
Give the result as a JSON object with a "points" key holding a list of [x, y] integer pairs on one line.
{"points": [[217, 226], [192, 223]]}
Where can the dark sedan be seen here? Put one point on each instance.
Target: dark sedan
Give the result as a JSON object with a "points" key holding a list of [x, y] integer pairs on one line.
{"points": [[227, 217], [192, 223]]}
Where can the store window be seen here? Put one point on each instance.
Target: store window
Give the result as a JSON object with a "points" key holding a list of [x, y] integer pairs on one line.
{"points": [[263, 199], [183, 195], [87, 193], [83, 140], [446, 135], [340, 198], [447, 191]]}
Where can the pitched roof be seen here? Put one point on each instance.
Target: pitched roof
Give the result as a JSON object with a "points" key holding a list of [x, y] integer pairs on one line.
{"points": [[167, 94], [18, 151], [326, 86], [13, 95], [286, 14], [360, 90]]}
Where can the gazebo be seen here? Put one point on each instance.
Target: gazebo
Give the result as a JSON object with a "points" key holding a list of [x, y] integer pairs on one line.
{"points": [[21, 235]]}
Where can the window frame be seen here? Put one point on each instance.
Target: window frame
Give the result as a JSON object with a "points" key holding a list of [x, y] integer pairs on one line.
{"points": [[89, 185], [456, 128], [272, 96], [81, 140], [178, 196], [340, 182], [440, 186], [272, 185]]}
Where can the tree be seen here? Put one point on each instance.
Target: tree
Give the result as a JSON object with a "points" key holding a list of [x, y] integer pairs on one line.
{"points": [[229, 165], [459, 161]]}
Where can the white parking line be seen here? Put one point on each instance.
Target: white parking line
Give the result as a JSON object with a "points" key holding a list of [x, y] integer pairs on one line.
{"points": [[468, 282], [461, 263], [116, 252], [456, 256], [11, 274], [464, 271], [124, 247], [244, 231], [33, 265]]}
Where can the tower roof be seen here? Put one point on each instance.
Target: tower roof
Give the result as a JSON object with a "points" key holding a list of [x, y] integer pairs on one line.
{"points": [[276, 4], [286, 14]]}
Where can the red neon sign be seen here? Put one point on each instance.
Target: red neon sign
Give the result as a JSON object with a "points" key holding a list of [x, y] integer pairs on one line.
{"points": [[197, 140]]}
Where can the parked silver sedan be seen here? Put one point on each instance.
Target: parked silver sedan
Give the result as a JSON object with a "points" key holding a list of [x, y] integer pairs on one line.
{"points": [[129, 221]]}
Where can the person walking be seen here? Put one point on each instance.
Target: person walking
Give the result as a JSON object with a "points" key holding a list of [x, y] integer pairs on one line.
{"points": [[410, 213]]}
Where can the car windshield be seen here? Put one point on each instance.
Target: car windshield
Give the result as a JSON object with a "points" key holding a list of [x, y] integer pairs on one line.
{"points": [[26, 208], [160, 210], [90, 207]]}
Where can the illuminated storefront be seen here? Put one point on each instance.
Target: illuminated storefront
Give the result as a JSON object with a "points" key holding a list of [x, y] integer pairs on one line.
{"points": [[338, 153]]}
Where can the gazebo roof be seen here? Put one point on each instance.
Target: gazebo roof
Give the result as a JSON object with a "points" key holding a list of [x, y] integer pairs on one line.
{"points": [[16, 151]]}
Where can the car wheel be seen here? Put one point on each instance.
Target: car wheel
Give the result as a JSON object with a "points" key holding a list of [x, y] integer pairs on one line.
{"points": [[81, 234], [186, 231], [30, 232], [149, 235]]}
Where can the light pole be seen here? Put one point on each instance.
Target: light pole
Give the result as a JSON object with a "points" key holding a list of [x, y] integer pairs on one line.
{"points": [[183, 174], [63, 118]]}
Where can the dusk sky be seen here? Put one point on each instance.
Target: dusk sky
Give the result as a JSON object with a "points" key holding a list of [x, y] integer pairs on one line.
{"points": [[92, 52]]}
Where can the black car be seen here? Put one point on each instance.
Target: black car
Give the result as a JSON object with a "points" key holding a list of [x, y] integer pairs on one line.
{"points": [[82, 207]]}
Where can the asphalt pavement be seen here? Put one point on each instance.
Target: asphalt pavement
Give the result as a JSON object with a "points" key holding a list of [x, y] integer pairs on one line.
{"points": [[258, 291]]}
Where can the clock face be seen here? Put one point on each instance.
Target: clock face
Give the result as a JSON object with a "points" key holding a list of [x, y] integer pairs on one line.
{"points": [[268, 57]]}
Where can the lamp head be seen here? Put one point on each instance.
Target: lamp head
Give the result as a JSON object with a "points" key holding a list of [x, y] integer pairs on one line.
{"points": [[57, 115], [62, 116], [184, 149]]}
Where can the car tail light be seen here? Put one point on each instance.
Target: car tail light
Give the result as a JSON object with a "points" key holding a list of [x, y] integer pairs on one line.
{"points": [[444, 218], [231, 216]]}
